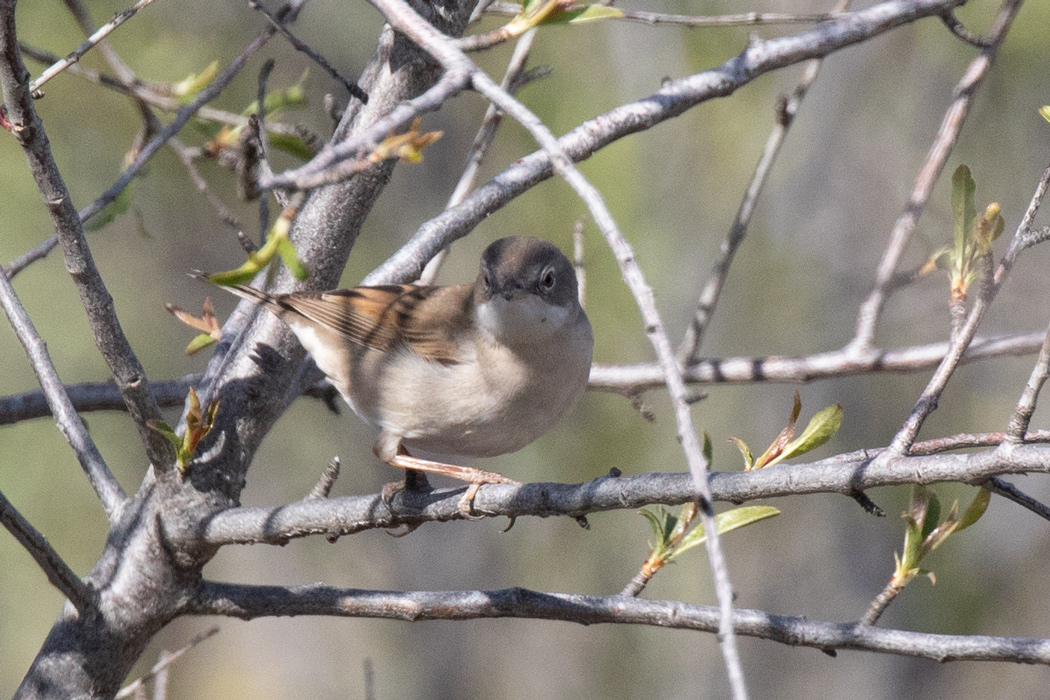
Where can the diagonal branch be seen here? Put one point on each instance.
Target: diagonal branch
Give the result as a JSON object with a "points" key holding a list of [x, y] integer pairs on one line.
{"points": [[105, 326], [785, 116], [51, 563], [404, 19], [943, 143], [927, 402], [250, 602], [69, 423], [672, 100]]}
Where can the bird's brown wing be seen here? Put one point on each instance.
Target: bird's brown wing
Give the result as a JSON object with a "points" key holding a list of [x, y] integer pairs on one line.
{"points": [[424, 319]]}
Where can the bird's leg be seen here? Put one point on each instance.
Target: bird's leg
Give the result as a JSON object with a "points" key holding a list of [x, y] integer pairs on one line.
{"points": [[475, 477]]}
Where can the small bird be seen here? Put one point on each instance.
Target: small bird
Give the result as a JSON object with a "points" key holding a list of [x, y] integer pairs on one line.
{"points": [[474, 370]]}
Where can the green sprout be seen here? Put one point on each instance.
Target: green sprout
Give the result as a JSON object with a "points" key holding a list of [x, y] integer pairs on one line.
{"points": [[923, 534], [822, 426], [966, 260]]}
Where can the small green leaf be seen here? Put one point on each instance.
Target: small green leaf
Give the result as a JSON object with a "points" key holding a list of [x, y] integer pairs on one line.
{"points": [[199, 343], [111, 211], [963, 207], [976, 509], [822, 426], [932, 515], [744, 450], [709, 450], [590, 13], [292, 145], [286, 250], [1044, 111], [724, 522], [187, 88]]}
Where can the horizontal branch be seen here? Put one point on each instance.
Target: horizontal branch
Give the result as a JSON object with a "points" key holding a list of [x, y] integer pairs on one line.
{"points": [[845, 362], [844, 474], [248, 602]]}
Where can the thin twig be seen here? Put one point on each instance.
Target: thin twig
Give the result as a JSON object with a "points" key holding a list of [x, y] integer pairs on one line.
{"points": [[69, 423], [317, 58], [83, 598], [927, 401], [482, 140], [78, 52], [844, 362], [186, 157], [249, 602], [940, 150], [1022, 417], [748, 18], [577, 260], [785, 116], [959, 29], [166, 659]]}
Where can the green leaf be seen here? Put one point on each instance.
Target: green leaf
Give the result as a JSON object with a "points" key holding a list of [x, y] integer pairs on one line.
{"points": [[963, 207], [976, 509], [199, 343], [590, 13], [286, 250], [111, 211], [187, 88], [724, 522], [709, 450], [744, 450], [822, 426], [292, 145], [1045, 112], [932, 514], [293, 97]]}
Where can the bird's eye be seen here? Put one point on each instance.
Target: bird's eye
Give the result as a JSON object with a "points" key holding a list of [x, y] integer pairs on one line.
{"points": [[548, 280]]}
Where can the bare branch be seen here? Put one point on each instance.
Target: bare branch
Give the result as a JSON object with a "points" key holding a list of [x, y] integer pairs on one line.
{"points": [[69, 423], [844, 474], [90, 396], [482, 140], [92, 40], [105, 326], [317, 58], [83, 598], [166, 660], [249, 602], [844, 362], [943, 143], [1022, 417]]}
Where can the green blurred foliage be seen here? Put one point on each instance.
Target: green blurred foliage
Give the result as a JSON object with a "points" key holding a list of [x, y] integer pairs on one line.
{"points": [[841, 181]]}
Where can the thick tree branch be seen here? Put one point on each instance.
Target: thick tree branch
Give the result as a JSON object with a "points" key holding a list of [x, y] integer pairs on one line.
{"points": [[845, 474], [250, 602]]}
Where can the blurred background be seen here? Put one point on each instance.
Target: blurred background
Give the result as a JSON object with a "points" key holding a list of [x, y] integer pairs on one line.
{"points": [[840, 183]]}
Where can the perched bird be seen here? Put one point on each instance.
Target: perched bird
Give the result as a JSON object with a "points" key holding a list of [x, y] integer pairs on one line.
{"points": [[474, 370]]}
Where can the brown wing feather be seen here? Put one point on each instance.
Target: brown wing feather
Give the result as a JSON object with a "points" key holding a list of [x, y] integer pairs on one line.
{"points": [[385, 317]]}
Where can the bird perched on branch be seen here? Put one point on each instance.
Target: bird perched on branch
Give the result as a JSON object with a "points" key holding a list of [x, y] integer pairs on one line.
{"points": [[473, 370]]}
